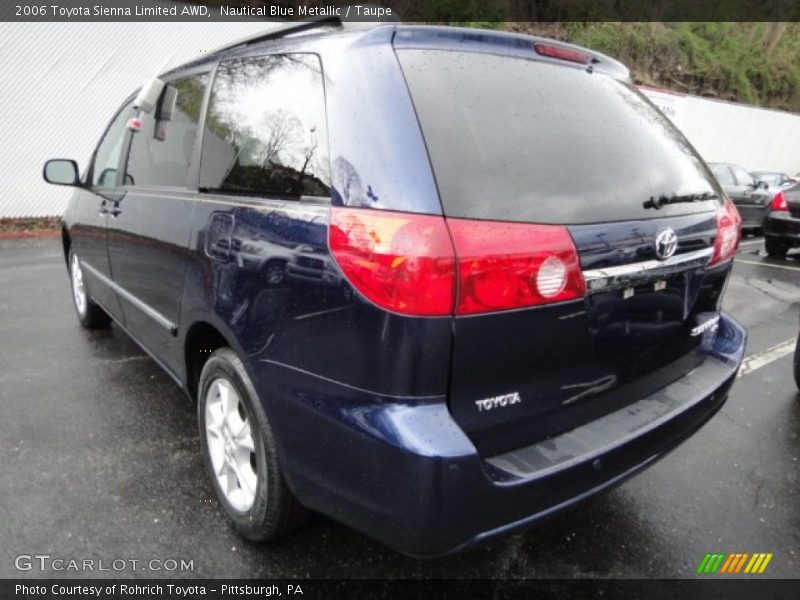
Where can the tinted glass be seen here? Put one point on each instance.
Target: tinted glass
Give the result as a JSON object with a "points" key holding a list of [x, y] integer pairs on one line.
{"points": [[770, 178], [106, 160], [742, 176], [161, 151], [723, 174], [266, 132], [515, 139]]}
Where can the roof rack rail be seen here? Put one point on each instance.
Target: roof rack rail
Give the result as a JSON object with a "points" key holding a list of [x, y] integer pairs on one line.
{"points": [[305, 25], [284, 30]]}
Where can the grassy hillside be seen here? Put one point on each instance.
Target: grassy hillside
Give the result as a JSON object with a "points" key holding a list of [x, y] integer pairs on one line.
{"points": [[755, 63]]}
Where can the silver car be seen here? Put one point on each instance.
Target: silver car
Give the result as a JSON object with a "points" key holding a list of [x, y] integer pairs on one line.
{"points": [[750, 196]]}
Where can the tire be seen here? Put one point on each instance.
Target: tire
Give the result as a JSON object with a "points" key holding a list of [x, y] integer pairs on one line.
{"points": [[775, 247], [797, 363], [90, 315], [249, 485]]}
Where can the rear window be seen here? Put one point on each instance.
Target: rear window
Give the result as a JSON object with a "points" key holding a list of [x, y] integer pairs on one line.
{"points": [[522, 140]]}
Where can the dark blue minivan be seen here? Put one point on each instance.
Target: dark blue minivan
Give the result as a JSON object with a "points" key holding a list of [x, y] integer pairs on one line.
{"points": [[435, 283]]}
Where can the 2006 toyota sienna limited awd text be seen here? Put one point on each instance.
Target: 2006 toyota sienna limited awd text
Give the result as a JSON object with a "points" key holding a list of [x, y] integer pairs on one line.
{"points": [[435, 283]]}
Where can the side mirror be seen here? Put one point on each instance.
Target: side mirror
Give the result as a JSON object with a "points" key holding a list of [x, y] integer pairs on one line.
{"points": [[61, 171]]}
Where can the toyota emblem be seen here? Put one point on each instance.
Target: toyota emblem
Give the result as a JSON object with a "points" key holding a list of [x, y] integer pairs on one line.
{"points": [[666, 243]]}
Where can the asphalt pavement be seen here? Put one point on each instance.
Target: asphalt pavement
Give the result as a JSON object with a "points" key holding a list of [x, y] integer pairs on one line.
{"points": [[101, 461]]}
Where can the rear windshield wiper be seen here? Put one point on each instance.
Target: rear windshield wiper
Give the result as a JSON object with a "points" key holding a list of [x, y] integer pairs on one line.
{"points": [[663, 199]]}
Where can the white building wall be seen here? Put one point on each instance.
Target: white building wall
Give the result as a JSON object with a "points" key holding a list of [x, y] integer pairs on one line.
{"points": [[62, 82], [758, 139]]}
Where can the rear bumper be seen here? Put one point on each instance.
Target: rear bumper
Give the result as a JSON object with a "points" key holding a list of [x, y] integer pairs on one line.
{"points": [[782, 225], [404, 473]]}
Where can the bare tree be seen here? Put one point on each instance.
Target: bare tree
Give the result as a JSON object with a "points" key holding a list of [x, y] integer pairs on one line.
{"points": [[282, 128]]}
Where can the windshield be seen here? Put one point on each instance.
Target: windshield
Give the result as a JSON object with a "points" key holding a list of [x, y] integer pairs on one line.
{"points": [[523, 140]]}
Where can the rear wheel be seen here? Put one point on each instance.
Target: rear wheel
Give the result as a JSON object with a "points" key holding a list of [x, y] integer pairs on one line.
{"points": [[90, 315], [240, 451], [775, 247]]}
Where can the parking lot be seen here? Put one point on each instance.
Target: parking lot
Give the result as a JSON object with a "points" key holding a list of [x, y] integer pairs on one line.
{"points": [[102, 460]]}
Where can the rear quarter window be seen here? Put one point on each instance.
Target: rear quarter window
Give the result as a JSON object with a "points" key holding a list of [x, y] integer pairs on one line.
{"points": [[523, 140], [266, 131]]}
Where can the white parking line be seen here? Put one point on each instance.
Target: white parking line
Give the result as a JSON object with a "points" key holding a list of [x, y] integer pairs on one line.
{"points": [[751, 242], [756, 361], [764, 264]]}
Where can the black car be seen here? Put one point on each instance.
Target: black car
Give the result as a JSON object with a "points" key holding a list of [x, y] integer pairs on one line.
{"points": [[751, 197], [468, 338], [782, 223]]}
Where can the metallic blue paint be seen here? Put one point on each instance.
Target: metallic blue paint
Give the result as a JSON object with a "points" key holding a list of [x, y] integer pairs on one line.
{"points": [[368, 421]]}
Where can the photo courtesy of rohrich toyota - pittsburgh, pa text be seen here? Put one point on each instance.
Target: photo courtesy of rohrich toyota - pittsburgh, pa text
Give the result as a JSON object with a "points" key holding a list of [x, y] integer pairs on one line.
{"points": [[404, 299]]}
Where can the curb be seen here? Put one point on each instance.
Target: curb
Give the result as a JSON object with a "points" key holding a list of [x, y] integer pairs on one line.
{"points": [[44, 233]]}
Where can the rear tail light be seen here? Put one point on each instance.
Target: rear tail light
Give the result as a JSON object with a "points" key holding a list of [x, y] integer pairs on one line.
{"points": [[729, 232], [400, 261], [779, 202], [562, 53], [503, 266], [408, 264]]}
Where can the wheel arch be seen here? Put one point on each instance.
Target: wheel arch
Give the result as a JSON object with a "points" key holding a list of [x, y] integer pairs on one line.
{"points": [[66, 243], [202, 339]]}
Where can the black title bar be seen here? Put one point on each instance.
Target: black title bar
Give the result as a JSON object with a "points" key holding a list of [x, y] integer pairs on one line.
{"points": [[405, 10], [363, 589]]}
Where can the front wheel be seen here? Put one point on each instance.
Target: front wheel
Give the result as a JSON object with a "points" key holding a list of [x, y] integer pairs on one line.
{"points": [[90, 315], [240, 451]]}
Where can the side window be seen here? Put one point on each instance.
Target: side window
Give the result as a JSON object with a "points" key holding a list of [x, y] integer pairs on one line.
{"points": [[742, 176], [106, 159], [161, 151], [723, 174], [266, 131]]}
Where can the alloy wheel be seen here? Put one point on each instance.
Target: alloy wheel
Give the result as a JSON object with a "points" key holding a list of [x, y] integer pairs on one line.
{"points": [[231, 446], [78, 289]]}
